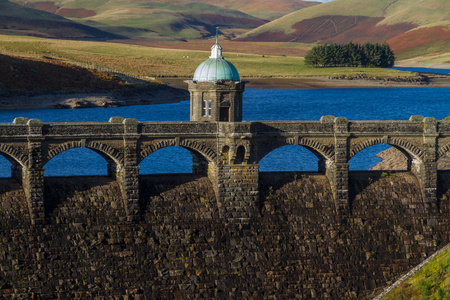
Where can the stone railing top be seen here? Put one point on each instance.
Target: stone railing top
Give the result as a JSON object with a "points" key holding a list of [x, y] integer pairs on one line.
{"points": [[326, 125]]}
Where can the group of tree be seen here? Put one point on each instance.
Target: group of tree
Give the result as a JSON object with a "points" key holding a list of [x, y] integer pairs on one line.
{"points": [[350, 55]]}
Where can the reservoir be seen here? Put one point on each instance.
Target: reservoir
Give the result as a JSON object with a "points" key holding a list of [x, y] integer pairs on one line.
{"points": [[259, 104]]}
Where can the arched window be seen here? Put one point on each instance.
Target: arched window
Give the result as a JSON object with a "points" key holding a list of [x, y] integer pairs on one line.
{"points": [[240, 155]]}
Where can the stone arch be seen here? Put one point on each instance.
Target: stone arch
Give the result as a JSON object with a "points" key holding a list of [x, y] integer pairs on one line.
{"points": [[207, 152], [319, 150], [190, 145], [442, 151], [322, 152], [404, 146], [13, 155], [155, 147], [108, 153]]}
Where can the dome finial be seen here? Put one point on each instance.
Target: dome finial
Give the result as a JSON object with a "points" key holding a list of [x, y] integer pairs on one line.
{"points": [[216, 50], [217, 35]]}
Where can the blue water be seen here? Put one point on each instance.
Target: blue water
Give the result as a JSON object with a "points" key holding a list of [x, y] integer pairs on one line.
{"points": [[259, 104], [424, 70]]}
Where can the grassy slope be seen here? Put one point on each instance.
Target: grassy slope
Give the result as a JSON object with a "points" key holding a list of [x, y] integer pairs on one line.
{"points": [[156, 62], [431, 282]]}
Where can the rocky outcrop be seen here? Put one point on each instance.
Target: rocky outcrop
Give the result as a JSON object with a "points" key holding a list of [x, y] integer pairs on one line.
{"points": [[394, 159]]}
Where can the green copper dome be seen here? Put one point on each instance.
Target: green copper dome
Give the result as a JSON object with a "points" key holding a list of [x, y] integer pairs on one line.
{"points": [[216, 68]]}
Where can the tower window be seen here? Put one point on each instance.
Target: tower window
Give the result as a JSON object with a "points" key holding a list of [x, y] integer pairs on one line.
{"points": [[203, 108], [206, 108]]}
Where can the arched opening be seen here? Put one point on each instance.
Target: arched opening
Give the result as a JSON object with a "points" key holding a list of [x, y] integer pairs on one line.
{"points": [[289, 158], [10, 168], [296, 176], [168, 160], [76, 162], [81, 174], [5, 167], [290, 165], [380, 179], [13, 202], [240, 155], [174, 174], [377, 157]]}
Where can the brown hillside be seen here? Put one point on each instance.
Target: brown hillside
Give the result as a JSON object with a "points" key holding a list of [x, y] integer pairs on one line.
{"points": [[266, 9], [337, 29], [420, 38], [50, 7], [38, 76], [218, 19]]}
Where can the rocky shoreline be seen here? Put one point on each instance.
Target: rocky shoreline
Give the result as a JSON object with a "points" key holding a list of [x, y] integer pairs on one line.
{"points": [[175, 90], [159, 95]]}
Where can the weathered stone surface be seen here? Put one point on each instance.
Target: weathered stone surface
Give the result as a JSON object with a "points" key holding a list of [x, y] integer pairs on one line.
{"points": [[180, 248], [227, 231]]}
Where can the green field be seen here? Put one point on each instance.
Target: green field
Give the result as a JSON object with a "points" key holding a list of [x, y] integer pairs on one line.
{"points": [[156, 62], [431, 282]]}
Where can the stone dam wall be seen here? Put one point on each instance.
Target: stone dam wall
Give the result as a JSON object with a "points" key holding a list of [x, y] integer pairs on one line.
{"points": [[297, 247]]}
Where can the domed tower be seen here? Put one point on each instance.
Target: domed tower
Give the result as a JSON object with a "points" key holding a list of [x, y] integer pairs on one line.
{"points": [[216, 90]]}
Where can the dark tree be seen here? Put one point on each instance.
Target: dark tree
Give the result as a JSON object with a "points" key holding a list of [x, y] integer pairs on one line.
{"points": [[350, 55]]}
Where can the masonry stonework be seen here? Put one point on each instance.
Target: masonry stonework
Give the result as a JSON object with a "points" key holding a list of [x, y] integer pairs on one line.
{"points": [[227, 230], [228, 151]]}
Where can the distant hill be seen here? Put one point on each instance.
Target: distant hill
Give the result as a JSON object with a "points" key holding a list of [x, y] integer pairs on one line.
{"points": [[150, 19], [341, 21], [18, 20], [264, 9], [423, 41]]}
